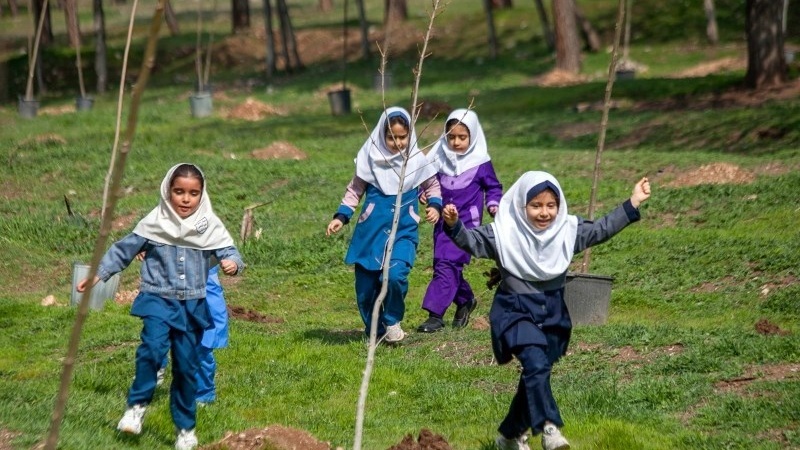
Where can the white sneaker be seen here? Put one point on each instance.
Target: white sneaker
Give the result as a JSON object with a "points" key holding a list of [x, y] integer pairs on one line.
{"points": [[131, 421], [186, 440], [160, 376], [552, 438], [394, 333], [518, 443]]}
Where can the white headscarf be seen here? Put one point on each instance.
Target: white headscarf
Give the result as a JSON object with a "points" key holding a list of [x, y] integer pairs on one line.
{"points": [[528, 253], [202, 230], [376, 164], [453, 163]]}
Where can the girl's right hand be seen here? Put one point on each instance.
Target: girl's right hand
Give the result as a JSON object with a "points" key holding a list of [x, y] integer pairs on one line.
{"points": [[334, 227], [450, 213], [83, 284]]}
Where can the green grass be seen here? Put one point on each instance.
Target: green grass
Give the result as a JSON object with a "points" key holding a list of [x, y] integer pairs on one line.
{"points": [[692, 280]]}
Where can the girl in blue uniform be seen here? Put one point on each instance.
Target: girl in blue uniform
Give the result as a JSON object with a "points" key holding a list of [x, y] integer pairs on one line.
{"points": [[533, 240], [178, 239], [377, 179]]}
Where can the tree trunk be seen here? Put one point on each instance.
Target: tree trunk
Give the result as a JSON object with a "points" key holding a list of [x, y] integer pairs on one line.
{"points": [[71, 15], [501, 4], [100, 61], [711, 22], [396, 12], [549, 39], [172, 20], [287, 34], [766, 65], [269, 32], [588, 32], [487, 6], [240, 13], [326, 5], [362, 21], [47, 28], [568, 53], [12, 5]]}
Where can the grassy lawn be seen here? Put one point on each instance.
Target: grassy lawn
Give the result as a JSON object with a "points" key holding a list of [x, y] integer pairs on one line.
{"points": [[702, 345]]}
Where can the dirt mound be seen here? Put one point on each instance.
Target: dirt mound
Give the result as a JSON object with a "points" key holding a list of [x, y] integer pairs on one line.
{"points": [[716, 173], [279, 150], [556, 78], [427, 441], [273, 437], [254, 110]]}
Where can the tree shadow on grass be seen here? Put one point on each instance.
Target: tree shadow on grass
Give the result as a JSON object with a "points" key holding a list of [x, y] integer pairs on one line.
{"points": [[334, 337]]}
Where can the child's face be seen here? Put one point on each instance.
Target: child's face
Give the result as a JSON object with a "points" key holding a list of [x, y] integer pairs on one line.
{"points": [[542, 209], [184, 195], [458, 138], [396, 138]]}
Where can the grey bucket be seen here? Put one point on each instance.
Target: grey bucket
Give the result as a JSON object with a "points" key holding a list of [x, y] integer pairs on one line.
{"points": [[382, 82], [84, 103], [340, 101], [588, 297], [27, 108], [101, 291], [201, 104]]}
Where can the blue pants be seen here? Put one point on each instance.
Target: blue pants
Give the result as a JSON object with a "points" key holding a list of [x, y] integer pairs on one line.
{"points": [[533, 403], [157, 338], [368, 287]]}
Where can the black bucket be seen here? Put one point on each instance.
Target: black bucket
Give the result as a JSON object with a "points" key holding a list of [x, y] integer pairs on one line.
{"points": [[84, 103], [27, 108], [340, 102]]}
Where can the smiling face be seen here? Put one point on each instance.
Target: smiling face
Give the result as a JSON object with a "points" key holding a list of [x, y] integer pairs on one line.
{"points": [[542, 209], [185, 194], [458, 138]]}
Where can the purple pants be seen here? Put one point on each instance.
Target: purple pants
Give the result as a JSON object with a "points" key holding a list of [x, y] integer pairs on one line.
{"points": [[447, 286]]}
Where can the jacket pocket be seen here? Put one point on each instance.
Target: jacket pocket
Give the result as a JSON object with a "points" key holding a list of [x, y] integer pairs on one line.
{"points": [[413, 213], [366, 212]]}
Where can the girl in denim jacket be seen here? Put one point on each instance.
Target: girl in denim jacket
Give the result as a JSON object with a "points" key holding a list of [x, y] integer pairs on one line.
{"points": [[178, 239]]}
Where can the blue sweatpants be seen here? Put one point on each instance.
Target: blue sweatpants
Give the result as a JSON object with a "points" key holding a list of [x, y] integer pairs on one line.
{"points": [[368, 287], [157, 338]]}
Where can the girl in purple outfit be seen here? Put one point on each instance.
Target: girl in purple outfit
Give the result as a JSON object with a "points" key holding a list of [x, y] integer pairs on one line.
{"points": [[467, 179]]}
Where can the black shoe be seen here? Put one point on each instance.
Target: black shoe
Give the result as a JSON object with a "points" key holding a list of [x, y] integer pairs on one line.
{"points": [[431, 325], [461, 318]]}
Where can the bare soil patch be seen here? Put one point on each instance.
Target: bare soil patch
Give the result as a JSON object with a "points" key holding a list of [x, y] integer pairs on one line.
{"points": [[767, 328], [273, 437], [752, 374], [729, 64], [279, 150], [7, 438], [715, 173], [558, 78], [239, 312]]}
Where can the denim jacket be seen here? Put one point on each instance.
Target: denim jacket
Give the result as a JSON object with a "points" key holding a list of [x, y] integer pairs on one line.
{"points": [[167, 271]]}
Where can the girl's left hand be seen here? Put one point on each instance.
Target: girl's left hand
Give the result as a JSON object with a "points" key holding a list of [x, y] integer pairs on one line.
{"points": [[431, 215], [228, 267]]}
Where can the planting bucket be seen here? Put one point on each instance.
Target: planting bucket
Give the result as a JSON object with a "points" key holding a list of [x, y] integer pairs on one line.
{"points": [[28, 108], [84, 103], [626, 74], [588, 297], [201, 104], [101, 291], [340, 101], [382, 82]]}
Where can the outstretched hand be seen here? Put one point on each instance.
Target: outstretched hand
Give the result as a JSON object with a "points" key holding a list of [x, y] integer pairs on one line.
{"points": [[431, 214], [450, 213], [641, 192]]}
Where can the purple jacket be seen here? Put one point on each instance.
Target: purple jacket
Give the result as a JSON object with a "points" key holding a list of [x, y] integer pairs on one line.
{"points": [[468, 191]]}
